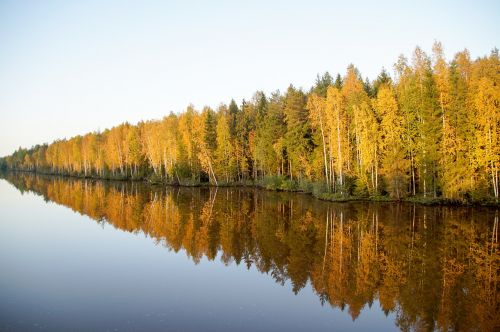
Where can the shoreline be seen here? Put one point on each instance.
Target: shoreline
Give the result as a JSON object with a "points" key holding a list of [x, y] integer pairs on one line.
{"points": [[324, 196]]}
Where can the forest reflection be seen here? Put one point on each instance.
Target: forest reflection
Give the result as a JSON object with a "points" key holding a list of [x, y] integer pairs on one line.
{"points": [[434, 267]]}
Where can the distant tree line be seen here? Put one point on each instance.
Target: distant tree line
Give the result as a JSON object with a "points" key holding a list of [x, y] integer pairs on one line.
{"points": [[433, 130]]}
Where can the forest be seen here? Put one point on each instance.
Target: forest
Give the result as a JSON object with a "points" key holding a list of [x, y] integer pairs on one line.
{"points": [[431, 131]]}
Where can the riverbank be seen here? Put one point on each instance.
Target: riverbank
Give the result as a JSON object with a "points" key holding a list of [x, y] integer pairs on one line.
{"points": [[275, 183]]}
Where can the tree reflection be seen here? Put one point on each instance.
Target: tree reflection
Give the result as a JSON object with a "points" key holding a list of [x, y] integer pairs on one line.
{"points": [[434, 267]]}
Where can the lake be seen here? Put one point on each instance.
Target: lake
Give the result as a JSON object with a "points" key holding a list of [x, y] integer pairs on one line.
{"points": [[119, 256]]}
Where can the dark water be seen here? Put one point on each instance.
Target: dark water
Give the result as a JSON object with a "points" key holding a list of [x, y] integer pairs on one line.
{"points": [[98, 256]]}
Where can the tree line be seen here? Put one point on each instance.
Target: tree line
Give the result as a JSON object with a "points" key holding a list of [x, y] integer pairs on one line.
{"points": [[432, 130]]}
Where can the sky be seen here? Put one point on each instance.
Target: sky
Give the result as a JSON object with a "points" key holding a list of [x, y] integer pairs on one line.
{"points": [[71, 67]]}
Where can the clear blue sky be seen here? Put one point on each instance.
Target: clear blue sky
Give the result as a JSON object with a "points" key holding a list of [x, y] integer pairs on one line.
{"points": [[69, 67]]}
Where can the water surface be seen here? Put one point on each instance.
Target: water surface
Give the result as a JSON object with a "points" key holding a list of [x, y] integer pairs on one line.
{"points": [[92, 255]]}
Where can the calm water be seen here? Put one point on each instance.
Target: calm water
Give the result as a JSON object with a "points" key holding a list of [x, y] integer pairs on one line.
{"points": [[87, 255]]}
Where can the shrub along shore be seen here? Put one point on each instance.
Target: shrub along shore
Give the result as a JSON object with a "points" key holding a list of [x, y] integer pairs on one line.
{"points": [[278, 183]]}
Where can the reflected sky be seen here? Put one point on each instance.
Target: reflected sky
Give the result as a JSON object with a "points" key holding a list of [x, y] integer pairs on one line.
{"points": [[196, 259]]}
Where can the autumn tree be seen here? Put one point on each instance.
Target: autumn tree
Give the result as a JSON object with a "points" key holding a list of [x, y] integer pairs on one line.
{"points": [[486, 101], [224, 154], [297, 138], [337, 122], [317, 113], [392, 151], [429, 123]]}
